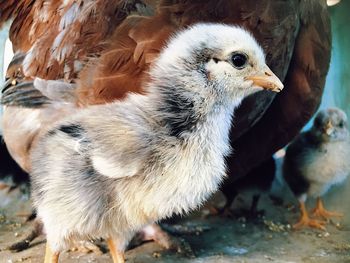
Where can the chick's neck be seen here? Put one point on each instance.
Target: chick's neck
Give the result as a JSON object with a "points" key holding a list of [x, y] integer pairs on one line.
{"points": [[185, 110]]}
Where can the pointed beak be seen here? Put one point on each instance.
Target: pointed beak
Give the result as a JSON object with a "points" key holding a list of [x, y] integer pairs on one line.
{"points": [[329, 128], [267, 80]]}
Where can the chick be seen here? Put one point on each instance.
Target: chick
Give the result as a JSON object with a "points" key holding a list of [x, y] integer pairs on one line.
{"points": [[111, 169], [317, 160]]}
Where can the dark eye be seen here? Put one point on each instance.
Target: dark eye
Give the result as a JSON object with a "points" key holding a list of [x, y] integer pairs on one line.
{"points": [[341, 124], [239, 60]]}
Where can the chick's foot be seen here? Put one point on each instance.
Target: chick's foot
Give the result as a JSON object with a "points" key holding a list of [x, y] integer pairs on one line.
{"points": [[306, 221], [320, 211]]}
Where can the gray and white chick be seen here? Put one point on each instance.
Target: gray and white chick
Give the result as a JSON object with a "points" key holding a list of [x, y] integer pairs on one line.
{"points": [[316, 160], [111, 169]]}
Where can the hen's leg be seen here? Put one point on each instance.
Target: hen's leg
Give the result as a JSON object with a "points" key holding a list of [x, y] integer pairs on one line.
{"points": [[320, 211], [230, 195]]}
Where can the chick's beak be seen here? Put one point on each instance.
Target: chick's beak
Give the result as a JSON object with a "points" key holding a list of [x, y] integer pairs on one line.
{"points": [[267, 80], [329, 128]]}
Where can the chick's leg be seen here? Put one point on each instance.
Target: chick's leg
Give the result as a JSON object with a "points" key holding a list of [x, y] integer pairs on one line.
{"points": [[117, 254], [305, 220], [320, 211], [50, 256]]}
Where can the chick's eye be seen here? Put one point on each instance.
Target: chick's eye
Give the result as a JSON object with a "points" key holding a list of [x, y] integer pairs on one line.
{"points": [[239, 60], [341, 124]]}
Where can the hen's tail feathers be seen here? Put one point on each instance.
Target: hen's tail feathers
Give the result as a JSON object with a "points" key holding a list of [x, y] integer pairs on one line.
{"points": [[33, 93], [18, 90], [23, 94]]}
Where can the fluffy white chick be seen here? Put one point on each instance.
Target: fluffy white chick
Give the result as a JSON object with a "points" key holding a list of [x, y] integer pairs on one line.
{"points": [[111, 169]]}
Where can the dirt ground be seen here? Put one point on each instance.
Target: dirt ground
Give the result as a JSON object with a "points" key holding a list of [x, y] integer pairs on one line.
{"points": [[216, 239]]}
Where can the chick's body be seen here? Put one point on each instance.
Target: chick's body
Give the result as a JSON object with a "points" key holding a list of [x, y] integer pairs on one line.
{"points": [[321, 165], [114, 170], [319, 158]]}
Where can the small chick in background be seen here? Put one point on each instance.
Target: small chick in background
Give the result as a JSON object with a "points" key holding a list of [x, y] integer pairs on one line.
{"points": [[111, 169], [316, 160]]}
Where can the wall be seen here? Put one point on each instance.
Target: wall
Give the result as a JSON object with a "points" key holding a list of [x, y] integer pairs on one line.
{"points": [[337, 92]]}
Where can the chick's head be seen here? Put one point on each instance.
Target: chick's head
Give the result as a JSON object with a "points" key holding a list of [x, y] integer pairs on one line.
{"points": [[331, 125], [222, 59]]}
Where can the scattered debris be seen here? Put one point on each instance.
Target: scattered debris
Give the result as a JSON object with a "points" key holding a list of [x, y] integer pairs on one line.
{"points": [[2, 218], [342, 247], [188, 229], [324, 234], [277, 227], [156, 255]]}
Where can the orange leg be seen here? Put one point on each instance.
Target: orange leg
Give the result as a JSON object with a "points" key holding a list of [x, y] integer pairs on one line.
{"points": [[117, 256], [305, 220], [50, 257], [320, 211]]}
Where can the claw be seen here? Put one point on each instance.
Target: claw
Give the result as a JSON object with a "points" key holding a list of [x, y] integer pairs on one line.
{"points": [[320, 211], [306, 221]]}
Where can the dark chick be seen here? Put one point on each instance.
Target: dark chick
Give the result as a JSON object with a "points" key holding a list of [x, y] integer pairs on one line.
{"points": [[316, 160]]}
